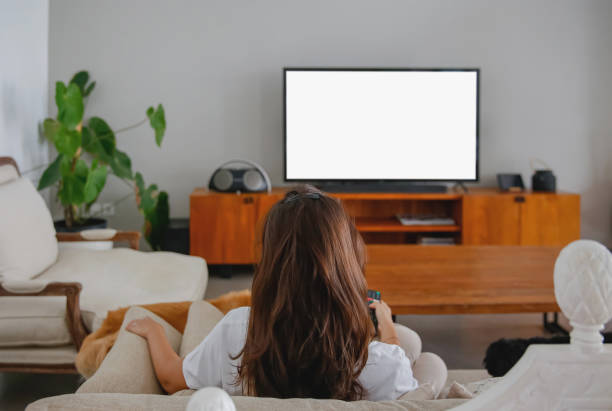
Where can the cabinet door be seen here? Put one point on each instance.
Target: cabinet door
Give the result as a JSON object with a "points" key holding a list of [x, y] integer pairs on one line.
{"points": [[491, 219], [264, 203], [550, 219], [222, 228]]}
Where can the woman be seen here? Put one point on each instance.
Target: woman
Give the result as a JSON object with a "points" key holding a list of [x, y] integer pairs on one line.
{"points": [[308, 332]]}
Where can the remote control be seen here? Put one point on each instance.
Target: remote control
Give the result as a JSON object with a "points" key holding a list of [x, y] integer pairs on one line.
{"points": [[373, 296]]}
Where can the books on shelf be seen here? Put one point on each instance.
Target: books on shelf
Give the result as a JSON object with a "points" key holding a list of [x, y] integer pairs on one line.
{"points": [[407, 219], [436, 241]]}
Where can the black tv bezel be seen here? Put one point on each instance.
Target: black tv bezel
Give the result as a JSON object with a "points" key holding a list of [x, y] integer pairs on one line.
{"points": [[390, 180]]}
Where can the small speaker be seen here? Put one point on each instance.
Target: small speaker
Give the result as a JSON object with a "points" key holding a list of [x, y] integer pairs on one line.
{"points": [[222, 180], [510, 182], [544, 180], [248, 180]]}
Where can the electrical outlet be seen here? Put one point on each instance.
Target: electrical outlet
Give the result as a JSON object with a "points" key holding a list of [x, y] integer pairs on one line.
{"points": [[108, 209]]}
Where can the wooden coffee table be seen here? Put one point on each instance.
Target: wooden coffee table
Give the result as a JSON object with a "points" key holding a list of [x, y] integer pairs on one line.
{"points": [[464, 279]]}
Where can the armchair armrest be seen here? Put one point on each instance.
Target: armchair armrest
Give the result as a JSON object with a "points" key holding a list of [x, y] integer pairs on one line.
{"points": [[71, 291], [131, 237]]}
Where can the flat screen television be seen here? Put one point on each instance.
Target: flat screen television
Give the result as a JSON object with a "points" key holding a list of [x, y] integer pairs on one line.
{"points": [[382, 124]]}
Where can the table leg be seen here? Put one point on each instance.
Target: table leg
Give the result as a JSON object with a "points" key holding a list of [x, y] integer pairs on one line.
{"points": [[553, 326]]}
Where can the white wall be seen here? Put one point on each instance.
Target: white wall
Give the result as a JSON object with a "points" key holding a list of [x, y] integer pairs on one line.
{"points": [[24, 27], [546, 85]]}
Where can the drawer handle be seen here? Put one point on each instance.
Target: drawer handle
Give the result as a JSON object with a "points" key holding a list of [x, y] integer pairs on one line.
{"points": [[247, 200], [519, 199]]}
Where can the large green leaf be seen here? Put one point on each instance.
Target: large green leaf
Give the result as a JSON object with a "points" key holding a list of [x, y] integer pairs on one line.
{"points": [[89, 89], [101, 127], [99, 140], [60, 92], [121, 165], [69, 104], [52, 174], [95, 181], [50, 128], [89, 142], [72, 190], [157, 119], [67, 141], [94, 146], [80, 79]]}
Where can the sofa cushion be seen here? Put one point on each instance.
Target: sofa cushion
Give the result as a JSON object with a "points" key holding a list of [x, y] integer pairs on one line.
{"points": [[138, 402], [33, 321], [127, 368], [27, 237], [122, 277], [64, 354]]}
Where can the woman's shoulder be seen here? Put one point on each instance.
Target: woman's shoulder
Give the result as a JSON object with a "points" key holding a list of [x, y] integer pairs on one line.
{"points": [[380, 351], [230, 331], [238, 315]]}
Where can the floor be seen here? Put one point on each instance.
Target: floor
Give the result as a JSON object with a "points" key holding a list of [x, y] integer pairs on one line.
{"points": [[461, 340]]}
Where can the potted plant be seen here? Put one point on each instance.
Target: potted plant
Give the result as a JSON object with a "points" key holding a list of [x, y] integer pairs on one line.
{"points": [[87, 152]]}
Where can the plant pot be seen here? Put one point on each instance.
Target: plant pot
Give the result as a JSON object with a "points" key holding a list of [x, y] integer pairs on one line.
{"points": [[60, 225]]}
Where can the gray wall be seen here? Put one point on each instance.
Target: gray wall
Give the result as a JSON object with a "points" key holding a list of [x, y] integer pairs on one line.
{"points": [[23, 81], [216, 65]]}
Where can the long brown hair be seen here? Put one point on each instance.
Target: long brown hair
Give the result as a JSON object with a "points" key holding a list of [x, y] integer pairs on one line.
{"points": [[309, 327]]}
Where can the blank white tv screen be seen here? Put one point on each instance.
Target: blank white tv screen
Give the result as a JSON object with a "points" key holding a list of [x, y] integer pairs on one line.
{"points": [[381, 125]]}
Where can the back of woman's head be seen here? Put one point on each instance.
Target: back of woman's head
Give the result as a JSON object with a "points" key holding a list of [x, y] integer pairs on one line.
{"points": [[309, 325]]}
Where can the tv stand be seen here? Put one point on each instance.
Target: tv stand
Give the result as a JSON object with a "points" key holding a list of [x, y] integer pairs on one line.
{"points": [[382, 187], [224, 226]]}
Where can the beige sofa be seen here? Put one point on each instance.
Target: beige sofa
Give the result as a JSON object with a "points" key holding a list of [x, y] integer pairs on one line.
{"points": [[52, 296], [126, 380]]}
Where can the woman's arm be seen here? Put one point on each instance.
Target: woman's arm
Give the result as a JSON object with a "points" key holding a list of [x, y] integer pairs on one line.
{"points": [[386, 329], [168, 365]]}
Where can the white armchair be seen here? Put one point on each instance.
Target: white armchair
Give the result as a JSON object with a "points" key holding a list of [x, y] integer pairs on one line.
{"points": [[52, 297]]}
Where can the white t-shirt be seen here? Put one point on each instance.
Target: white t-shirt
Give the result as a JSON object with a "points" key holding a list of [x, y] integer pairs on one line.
{"points": [[386, 376]]}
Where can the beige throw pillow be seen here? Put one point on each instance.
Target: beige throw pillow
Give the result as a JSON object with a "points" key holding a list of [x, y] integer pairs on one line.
{"points": [[8, 173], [201, 319], [27, 237], [127, 367]]}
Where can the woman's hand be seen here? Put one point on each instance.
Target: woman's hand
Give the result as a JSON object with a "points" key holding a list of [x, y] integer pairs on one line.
{"points": [[386, 329], [167, 364], [144, 327]]}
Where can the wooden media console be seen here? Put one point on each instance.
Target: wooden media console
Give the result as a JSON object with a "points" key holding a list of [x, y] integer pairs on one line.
{"points": [[224, 227]]}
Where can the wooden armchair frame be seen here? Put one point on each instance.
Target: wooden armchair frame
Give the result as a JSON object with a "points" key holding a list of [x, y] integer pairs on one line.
{"points": [[70, 290]]}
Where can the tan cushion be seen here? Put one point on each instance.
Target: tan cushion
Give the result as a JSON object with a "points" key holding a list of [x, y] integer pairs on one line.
{"points": [[138, 402], [466, 376], [423, 392], [27, 237], [298, 404], [8, 173], [201, 320], [38, 355], [37, 321], [122, 277], [127, 367]]}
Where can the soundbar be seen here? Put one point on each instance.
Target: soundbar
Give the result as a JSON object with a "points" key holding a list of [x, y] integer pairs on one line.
{"points": [[386, 187]]}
